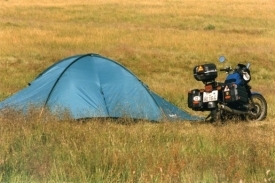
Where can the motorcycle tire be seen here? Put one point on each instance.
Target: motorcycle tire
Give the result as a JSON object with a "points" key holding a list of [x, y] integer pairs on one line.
{"points": [[259, 112]]}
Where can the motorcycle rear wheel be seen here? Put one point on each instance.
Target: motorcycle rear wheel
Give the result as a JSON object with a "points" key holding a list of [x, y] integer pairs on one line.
{"points": [[259, 112]]}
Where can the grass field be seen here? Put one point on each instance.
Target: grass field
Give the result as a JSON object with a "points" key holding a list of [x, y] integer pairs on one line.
{"points": [[160, 41]]}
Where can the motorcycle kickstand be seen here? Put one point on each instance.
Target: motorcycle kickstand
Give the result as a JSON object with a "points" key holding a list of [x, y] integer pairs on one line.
{"points": [[212, 119], [209, 115]]}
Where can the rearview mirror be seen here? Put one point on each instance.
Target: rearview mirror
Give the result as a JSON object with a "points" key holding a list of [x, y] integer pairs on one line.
{"points": [[248, 65], [222, 59]]}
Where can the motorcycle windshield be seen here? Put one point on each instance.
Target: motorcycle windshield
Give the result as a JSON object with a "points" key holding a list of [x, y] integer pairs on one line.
{"points": [[234, 78]]}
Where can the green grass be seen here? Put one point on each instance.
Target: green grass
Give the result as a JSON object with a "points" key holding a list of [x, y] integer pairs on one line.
{"points": [[160, 42], [112, 151]]}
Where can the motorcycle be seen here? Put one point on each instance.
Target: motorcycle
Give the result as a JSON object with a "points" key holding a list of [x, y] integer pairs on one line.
{"points": [[228, 100]]}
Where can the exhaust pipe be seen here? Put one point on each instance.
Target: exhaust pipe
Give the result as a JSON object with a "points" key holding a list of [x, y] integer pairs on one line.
{"points": [[228, 109]]}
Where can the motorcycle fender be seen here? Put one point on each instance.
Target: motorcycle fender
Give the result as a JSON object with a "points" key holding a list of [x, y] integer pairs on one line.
{"points": [[254, 93]]}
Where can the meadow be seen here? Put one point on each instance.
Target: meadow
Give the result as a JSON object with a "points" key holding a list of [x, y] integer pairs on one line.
{"points": [[160, 42]]}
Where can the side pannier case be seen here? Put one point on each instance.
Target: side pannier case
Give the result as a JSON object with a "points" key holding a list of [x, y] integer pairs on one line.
{"points": [[195, 100], [235, 93], [205, 72]]}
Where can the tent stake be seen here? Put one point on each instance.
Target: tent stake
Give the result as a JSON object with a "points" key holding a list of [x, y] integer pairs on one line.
{"points": [[41, 112]]}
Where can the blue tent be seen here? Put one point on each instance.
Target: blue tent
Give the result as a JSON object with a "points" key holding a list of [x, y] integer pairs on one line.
{"points": [[90, 85]]}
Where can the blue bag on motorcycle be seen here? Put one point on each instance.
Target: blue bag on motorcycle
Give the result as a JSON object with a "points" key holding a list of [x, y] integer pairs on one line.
{"points": [[205, 72], [235, 90]]}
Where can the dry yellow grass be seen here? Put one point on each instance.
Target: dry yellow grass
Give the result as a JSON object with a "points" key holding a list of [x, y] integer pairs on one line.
{"points": [[159, 41]]}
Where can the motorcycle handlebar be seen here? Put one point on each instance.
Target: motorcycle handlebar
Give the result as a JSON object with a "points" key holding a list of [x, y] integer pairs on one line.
{"points": [[227, 69]]}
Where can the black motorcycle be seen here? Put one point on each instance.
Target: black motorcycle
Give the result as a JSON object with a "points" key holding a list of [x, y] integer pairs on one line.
{"points": [[230, 100]]}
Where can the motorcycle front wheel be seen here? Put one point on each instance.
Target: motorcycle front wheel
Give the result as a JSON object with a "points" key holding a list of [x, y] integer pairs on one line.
{"points": [[259, 108]]}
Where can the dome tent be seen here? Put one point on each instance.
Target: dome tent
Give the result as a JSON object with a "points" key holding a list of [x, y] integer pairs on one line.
{"points": [[91, 85]]}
